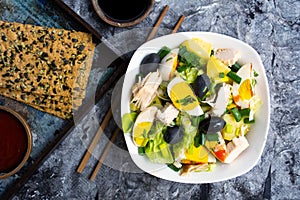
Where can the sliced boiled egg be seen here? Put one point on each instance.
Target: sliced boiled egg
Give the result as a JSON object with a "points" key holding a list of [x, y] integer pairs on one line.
{"points": [[183, 97], [244, 91], [168, 65], [142, 126]]}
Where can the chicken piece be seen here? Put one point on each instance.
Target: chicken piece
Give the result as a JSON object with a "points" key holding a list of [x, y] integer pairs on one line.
{"points": [[167, 114], [222, 100], [235, 148], [219, 101], [144, 92], [227, 56], [192, 168]]}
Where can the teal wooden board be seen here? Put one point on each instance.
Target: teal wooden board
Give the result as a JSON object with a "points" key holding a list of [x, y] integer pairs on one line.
{"points": [[45, 127]]}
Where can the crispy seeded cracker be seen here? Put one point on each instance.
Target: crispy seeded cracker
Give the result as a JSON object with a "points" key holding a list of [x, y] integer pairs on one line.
{"points": [[46, 68], [54, 108], [42, 60], [57, 112], [44, 101]]}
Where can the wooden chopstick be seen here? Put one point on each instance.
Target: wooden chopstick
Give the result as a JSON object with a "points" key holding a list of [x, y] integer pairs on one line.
{"points": [[178, 24], [157, 24], [104, 154], [93, 144]]}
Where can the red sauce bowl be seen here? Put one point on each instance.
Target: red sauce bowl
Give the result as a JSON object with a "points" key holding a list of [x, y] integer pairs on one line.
{"points": [[15, 142]]}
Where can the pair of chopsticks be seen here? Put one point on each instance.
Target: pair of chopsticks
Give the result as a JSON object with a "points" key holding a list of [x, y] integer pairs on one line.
{"points": [[160, 19], [108, 115], [93, 144]]}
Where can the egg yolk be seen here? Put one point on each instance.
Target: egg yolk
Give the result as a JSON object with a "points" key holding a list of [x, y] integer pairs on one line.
{"points": [[245, 90], [199, 155], [183, 97], [175, 63], [140, 133]]}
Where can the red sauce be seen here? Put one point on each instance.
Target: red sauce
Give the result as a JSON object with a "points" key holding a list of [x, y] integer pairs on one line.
{"points": [[13, 141]]}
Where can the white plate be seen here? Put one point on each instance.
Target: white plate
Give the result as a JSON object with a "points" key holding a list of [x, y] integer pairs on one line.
{"points": [[257, 136]]}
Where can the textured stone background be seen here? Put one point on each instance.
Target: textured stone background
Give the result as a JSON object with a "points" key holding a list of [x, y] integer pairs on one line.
{"points": [[270, 26]]}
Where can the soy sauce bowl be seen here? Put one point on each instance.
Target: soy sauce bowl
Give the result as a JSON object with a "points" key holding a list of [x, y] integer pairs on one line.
{"points": [[123, 13], [15, 142]]}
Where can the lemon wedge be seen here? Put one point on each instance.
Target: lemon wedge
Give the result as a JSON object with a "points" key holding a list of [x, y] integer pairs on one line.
{"points": [[198, 47]]}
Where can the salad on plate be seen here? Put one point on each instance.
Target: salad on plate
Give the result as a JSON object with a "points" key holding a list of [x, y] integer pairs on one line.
{"points": [[192, 106]]}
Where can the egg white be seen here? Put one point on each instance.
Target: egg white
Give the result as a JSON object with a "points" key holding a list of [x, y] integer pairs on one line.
{"points": [[166, 66], [245, 72]]}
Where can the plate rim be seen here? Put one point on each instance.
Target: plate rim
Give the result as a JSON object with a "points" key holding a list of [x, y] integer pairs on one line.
{"points": [[148, 45]]}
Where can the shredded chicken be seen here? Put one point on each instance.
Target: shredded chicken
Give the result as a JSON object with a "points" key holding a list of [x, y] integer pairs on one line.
{"points": [[192, 168], [222, 100], [167, 114], [144, 91], [219, 101]]}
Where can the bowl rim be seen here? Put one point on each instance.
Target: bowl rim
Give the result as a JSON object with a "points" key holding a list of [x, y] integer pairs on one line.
{"points": [[29, 142], [110, 21]]}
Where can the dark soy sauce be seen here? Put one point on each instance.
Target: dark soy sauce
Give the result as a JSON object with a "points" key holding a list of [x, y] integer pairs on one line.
{"points": [[124, 10], [13, 141]]}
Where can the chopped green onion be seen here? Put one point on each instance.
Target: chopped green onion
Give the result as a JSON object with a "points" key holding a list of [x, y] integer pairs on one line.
{"points": [[245, 112], [168, 59], [235, 67], [141, 150], [197, 119], [226, 111], [255, 74], [221, 75], [234, 77], [197, 139], [236, 114], [173, 167], [163, 52], [247, 121], [181, 68], [202, 138]]}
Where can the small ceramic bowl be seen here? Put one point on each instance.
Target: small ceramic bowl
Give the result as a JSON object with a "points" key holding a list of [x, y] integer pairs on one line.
{"points": [[122, 13], [16, 142]]}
